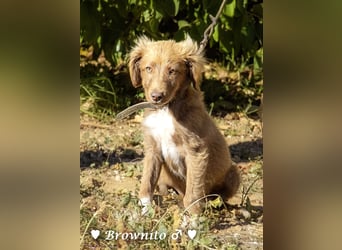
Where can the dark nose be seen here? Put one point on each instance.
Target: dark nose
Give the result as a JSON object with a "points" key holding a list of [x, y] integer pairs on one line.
{"points": [[156, 96]]}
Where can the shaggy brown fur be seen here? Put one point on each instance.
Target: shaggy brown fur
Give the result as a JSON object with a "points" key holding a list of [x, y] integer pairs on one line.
{"points": [[183, 148]]}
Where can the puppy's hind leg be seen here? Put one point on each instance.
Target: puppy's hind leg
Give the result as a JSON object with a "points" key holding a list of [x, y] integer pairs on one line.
{"points": [[232, 182]]}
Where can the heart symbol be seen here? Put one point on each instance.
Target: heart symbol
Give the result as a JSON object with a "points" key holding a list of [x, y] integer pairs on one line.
{"points": [[95, 233], [192, 233]]}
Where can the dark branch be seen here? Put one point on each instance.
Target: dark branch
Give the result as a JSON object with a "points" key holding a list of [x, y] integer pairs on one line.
{"points": [[209, 31]]}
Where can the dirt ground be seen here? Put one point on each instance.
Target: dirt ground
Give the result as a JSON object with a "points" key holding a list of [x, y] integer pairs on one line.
{"points": [[110, 170]]}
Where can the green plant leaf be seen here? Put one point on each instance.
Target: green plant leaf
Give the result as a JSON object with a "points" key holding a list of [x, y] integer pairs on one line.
{"points": [[182, 24], [166, 7], [176, 3], [216, 203], [229, 9], [216, 34], [226, 40], [211, 6], [99, 6], [153, 24]]}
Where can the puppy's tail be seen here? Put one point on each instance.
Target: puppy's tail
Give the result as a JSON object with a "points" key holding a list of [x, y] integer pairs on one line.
{"points": [[232, 182]]}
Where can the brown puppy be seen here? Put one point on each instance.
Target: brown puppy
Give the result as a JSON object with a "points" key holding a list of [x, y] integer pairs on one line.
{"points": [[183, 148]]}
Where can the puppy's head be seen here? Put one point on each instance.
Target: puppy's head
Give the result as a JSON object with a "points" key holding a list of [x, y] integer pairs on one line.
{"points": [[165, 68]]}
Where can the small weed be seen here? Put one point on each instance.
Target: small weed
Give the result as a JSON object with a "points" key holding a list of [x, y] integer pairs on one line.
{"points": [[246, 190]]}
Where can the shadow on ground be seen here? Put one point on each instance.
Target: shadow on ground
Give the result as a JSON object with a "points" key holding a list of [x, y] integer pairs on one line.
{"points": [[96, 158], [241, 152], [247, 151]]}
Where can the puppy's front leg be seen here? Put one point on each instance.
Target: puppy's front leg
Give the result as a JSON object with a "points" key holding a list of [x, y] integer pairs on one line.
{"points": [[151, 172], [196, 162]]}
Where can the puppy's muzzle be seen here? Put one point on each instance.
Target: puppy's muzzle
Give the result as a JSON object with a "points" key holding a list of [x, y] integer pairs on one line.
{"points": [[157, 97]]}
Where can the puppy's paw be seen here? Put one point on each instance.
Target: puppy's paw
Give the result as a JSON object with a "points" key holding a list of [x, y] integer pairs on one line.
{"points": [[145, 203], [189, 221]]}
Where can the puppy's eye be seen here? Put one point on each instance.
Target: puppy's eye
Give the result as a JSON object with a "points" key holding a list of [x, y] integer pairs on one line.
{"points": [[148, 69], [171, 71]]}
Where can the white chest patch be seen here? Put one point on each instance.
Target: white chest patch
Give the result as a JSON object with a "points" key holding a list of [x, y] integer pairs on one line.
{"points": [[162, 129]]}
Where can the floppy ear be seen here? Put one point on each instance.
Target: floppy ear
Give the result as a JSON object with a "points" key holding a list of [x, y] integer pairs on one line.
{"points": [[134, 58], [194, 59], [196, 69], [134, 71]]}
